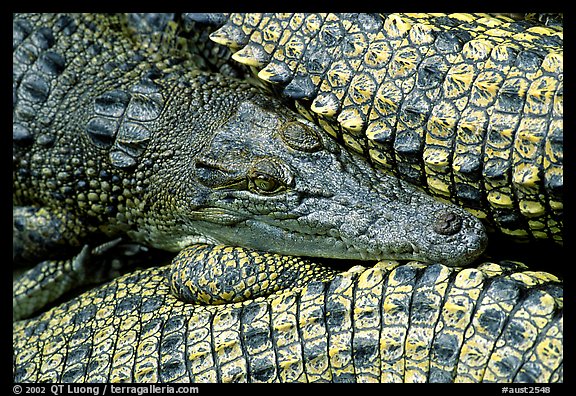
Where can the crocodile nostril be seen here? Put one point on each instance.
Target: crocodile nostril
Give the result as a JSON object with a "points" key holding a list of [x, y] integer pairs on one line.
{"points": [[447, 223]]}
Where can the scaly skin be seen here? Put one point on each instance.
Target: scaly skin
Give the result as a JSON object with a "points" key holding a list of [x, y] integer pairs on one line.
{"points": [[468, 106], [390, 323], [110, 143], [134, 329]]}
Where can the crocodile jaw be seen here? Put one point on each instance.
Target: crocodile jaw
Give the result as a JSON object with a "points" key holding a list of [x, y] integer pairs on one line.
{"points": [[370, 229]]}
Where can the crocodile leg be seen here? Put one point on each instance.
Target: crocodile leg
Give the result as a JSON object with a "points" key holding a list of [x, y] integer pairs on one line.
{"points": [[39, 233], [48, 281], [211, 275]]}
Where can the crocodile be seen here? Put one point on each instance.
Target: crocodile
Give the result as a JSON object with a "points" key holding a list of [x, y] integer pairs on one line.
{"points": [[93, 147], [111, 140], [467, 106], [392, 322]]}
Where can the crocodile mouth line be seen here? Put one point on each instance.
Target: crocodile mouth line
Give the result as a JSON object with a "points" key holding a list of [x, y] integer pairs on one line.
{"points": [[370, 252]]}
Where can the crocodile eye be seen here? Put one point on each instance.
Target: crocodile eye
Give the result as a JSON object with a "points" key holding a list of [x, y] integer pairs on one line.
{"points": [[265, 183], [269, 176]]}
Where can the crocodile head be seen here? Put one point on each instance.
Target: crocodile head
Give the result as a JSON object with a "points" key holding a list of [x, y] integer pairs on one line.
{"points": [[268, 179]]}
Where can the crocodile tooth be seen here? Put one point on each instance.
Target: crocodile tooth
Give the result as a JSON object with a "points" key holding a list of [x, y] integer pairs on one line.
{"points": [[252, 55]]}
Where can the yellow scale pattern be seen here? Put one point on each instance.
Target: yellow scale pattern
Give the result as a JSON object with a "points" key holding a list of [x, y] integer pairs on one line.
{"points": [[389, 323], [221, 274], [468, 106]]}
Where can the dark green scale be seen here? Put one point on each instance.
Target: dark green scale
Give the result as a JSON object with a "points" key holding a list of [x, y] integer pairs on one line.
{"points": [[396, 297], [367, 322], [56, 178], [87, 158]]}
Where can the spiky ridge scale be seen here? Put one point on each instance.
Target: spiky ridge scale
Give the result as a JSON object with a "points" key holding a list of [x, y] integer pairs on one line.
{"points": [[468, 106]]}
